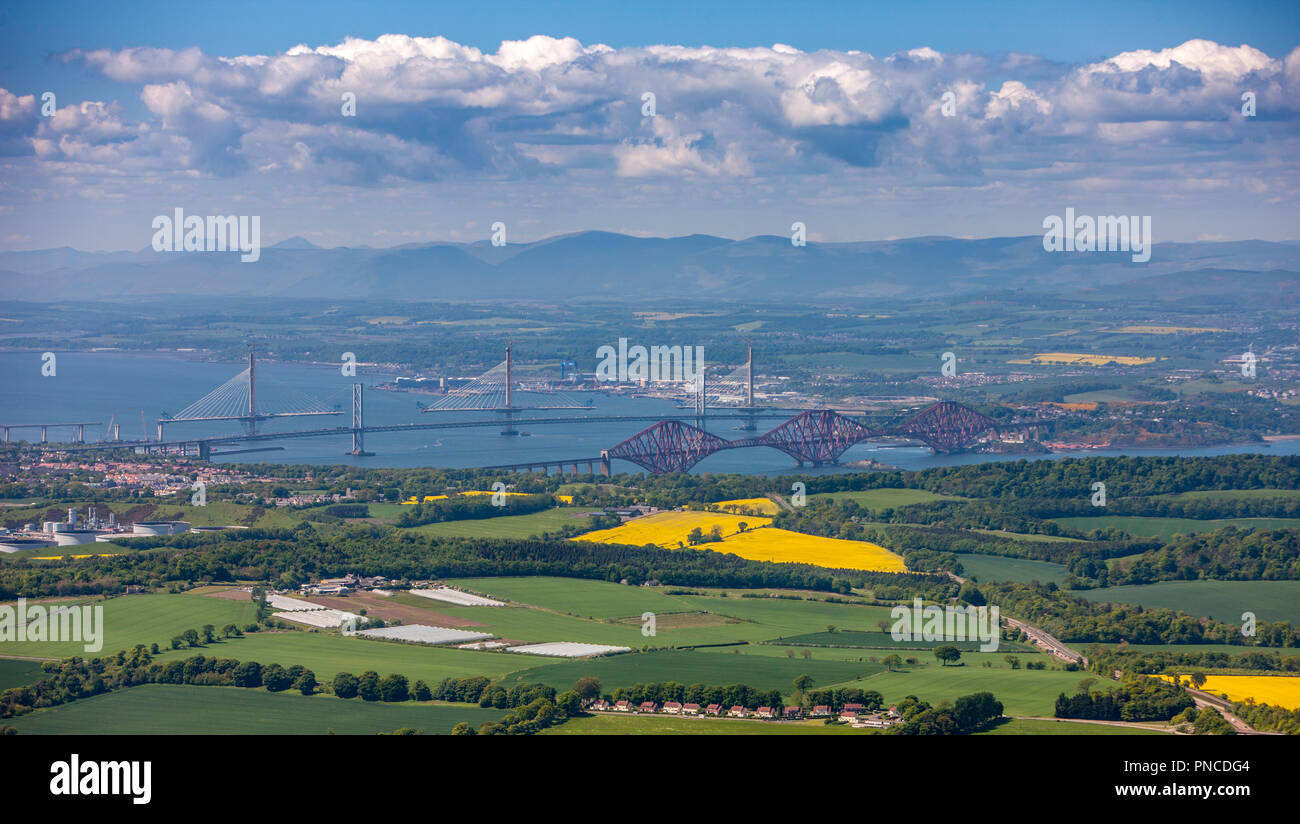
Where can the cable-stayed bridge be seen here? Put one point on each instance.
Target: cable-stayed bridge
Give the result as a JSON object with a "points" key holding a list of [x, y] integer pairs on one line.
{"points": [[236, 400]]}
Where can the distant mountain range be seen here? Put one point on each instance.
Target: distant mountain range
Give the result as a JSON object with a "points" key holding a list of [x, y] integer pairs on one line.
{"points": [[607, 265]]}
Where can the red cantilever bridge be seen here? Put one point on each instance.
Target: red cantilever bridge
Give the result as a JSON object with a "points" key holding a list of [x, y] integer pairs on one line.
{"points": [[817, 437]]}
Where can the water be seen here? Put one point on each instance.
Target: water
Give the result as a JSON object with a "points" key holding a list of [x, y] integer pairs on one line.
{"points": [[96, 386]]}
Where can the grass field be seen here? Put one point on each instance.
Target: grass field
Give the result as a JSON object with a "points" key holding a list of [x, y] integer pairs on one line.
{"points": [[327, 654], [1165, 528], [1022, 691], [998, 568], [1278, 690], [1223, 600], [1035, 726], [759, 506], [882, 642], [15, 672], [715, 667], [167, 709], [597, 599], [628, 724], [144, 619], [508, 526]]}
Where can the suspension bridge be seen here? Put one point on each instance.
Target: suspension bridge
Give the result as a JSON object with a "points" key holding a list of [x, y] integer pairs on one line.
{"points": [[673, 443]]}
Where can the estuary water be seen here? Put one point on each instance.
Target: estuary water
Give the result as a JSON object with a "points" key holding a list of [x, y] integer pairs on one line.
{"points": [[99, 386]]}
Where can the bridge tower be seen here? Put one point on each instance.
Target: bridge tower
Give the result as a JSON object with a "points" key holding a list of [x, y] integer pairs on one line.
{"points": [[358, 422], [252, 390], [749, 425], [509, 410]]}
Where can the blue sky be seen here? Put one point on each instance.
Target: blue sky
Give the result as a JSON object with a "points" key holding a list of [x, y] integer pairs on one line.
{"points": [[841, 126]]}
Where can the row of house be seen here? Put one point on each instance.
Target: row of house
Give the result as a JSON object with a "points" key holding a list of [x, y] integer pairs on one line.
{"points": [[855, 714]]}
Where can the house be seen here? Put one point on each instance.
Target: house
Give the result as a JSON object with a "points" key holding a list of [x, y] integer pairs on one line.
{"points": [[765, 712], [599, 706], [738, 712], [672, 707], [820, 711], [713, 709], [878, 721], [855, 707], [690, 709], [794, 712], [849, 716], [648, 706], [622, 706]]}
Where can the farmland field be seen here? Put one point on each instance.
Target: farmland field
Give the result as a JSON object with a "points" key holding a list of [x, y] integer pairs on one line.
{"points": [[882, 641], [1022, 691], [15, 672], [760, 506], [145, 619], [671, 529], [714, 667], [1224, 600], [1038, 726], [784, 546], [1141, 526], [328, 654], [167, 709], [507, 526], [629, 724], [1277, 690], [998, 568], [596, 599]]}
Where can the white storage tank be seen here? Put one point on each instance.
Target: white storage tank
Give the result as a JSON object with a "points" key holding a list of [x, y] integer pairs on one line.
{"points": [[73, 537], [160, 527]]}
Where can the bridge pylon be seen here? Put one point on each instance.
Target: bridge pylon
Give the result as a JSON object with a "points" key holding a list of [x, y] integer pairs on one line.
{"points": [[358, 422]]}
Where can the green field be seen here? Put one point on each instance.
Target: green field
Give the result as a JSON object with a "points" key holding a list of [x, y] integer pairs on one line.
{"points": [[1022, 691], [1223, 600], [508, 526], [1165, 528], [628, 724], [144, 619], [880, 641], [714, 667], [591, 599], [327, 654], [885, 498], [15, 672], [167, 709], [1036, 726], [1233, 494], [998, 568]]}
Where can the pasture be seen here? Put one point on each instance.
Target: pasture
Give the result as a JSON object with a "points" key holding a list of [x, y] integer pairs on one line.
{"points": [[714, 667], [507, 526], [1165, 528], [169, 709], [1222, 600], [1022, 691], [998, 568]]}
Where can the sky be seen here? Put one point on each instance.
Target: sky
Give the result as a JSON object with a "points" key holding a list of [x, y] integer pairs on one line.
{"points": [[381, 124]]}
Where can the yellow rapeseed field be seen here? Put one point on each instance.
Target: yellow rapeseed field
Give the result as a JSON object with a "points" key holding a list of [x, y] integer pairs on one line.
{"points": [[761, 506], [783, 546], [669, 529], [1163, 330], [1277, 690], [1083, 359], [564, 499], [759, 542]]}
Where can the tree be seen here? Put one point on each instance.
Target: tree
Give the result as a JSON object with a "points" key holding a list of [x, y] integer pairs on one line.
{"points": [[892, 661], [946, 654], [801, 684], [247, 674], [191, 637], [394, 688], [276, 678], [1197, 680], [345, 685], [569, 702], [368, 686], [1013, 660], [422, 692], [463, 729], [306, 683], [588, 688], [883, 625], [209, 633]]}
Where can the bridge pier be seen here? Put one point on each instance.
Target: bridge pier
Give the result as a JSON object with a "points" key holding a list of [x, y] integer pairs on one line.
{"points": [[43, 439], [205, 451], [81, 433], [6, 434]]}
